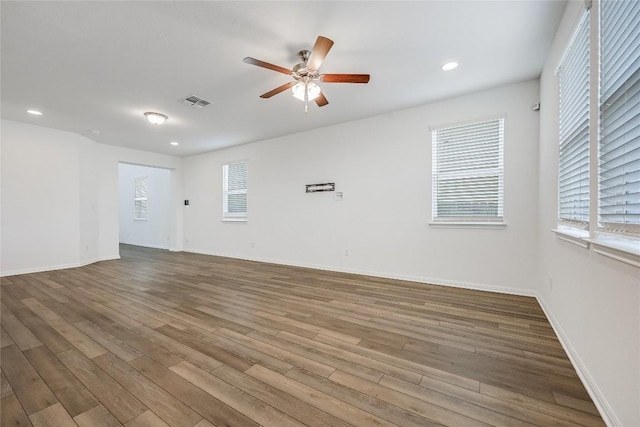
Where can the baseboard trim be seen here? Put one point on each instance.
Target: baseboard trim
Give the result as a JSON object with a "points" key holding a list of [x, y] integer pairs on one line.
{"points": [[605, 409], [384, 275], [56, 267], [144, 245]]}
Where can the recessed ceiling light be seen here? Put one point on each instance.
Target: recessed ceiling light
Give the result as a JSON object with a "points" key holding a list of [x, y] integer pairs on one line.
{"points": [[174, 143], [450, 66], [34, 112], [155, 118]]}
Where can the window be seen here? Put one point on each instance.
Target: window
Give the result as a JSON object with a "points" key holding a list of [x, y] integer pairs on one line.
{"points": [[140, 202], [573, 173], [619, 144], [468, 172], [614, 133], [234, 189]]}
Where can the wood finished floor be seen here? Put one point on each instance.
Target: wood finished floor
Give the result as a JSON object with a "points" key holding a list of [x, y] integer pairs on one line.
{"points": [[160, 338]]}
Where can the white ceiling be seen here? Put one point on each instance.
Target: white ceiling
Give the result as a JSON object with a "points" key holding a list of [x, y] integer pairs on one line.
{"points": [[95, 67]]}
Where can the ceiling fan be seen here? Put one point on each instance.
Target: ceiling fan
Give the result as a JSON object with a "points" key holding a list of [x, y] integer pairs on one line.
{"points": [[306, 74]]}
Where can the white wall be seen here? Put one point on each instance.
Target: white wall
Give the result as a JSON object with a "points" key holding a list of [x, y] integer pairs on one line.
{"points": [[59, 193], [155, 232], [594, 301], [383, 166], [39, 190], [89, 202]]}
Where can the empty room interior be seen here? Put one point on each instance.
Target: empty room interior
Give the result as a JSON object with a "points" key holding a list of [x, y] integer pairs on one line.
{"points": [[319, 213]]}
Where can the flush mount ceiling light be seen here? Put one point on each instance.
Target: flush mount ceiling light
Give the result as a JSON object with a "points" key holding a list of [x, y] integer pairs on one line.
{"points": [[155, 118], [449, 66], [34, 112]]}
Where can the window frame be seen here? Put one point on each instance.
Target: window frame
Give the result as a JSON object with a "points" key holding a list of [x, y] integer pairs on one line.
{"points": [[621, 230], [571, 140], [234, 216], [468, 221], [615, 243], [144, 199]]}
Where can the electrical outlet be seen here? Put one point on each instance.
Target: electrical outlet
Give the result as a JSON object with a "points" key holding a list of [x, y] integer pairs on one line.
{"points": [[550, 284], [346, 252]]}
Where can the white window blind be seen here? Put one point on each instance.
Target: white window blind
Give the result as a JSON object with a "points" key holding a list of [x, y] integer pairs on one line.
{"points": [[468, 172], [619, 146], [140, 201], [235, 190], [573, 171]]}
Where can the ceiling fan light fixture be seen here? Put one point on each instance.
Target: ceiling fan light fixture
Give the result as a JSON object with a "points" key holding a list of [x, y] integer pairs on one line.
{"points": [[155, 118], [312, 90], [298, 91], [449, 66]]}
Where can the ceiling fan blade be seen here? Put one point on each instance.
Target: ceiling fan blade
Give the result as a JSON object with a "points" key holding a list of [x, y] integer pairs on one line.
{"points": [[318, 53], [345, 78], [321, 100], [277, 90], [253, 61]]}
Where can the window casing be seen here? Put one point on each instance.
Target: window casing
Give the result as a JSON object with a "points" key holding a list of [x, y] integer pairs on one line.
{"points": [[234, 190], [140, 201], [619, 108], [573, 172], [468, 172]]}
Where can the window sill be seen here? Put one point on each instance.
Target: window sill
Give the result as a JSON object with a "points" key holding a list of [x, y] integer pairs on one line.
{"points": [[234, 220], [453, 224], [575, 236], [624, 250]]}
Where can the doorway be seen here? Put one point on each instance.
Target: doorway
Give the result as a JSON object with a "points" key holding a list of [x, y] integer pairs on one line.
{"points": [[144, 196]]}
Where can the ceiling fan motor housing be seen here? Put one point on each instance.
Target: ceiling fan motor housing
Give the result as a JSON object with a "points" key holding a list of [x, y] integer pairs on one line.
{"points": [[301, 70]]}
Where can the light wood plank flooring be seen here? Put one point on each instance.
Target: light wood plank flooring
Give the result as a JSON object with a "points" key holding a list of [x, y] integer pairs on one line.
{"points": [[178, 339]]}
